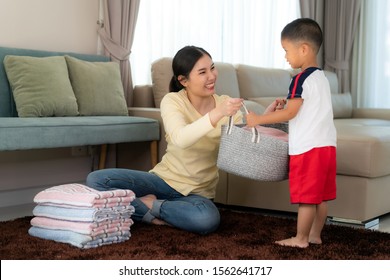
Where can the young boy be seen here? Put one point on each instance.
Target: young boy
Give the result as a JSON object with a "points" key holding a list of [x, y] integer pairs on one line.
{"points": [[312, 135]]}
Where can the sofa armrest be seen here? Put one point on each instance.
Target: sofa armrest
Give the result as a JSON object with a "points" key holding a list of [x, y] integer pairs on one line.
{"points": [[371, 113], [153, 113], [143, 96]]}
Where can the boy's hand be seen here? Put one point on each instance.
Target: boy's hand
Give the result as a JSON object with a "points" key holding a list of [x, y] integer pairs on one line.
{"points": [[278, 104], [252, 119]]}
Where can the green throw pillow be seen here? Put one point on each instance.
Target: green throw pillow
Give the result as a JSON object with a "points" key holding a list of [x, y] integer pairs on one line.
{"points": [[98, 87], [40, 86]]}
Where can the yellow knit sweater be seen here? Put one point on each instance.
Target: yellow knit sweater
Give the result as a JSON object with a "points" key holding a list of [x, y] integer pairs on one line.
{"points": [[189, 165]]}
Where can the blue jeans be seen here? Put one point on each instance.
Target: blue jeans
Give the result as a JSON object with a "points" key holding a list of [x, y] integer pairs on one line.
{"points": [[192, 213]]}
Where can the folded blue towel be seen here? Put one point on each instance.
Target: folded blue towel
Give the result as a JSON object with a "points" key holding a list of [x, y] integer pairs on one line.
{"points": [[77, 239], [83, 214]]}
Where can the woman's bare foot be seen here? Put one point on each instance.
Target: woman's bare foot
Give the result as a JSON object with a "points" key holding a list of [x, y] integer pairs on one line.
{"points": [[148, 201], [293, 242]]}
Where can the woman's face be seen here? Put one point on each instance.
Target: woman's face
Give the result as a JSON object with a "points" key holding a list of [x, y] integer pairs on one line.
{"points": [[202, 78]]}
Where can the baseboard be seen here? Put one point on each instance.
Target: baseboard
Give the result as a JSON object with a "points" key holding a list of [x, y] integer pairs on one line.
{"points": [[369, 224], [18, 203], [14, 212]]}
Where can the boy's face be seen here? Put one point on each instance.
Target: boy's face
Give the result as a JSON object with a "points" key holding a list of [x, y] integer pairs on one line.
{"points": [[293, 53]]}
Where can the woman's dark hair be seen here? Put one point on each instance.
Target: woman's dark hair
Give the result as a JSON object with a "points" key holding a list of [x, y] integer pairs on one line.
{"points": [[182, 64]]}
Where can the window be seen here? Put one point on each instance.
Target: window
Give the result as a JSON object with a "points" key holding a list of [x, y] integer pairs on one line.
{"points": [[373, 55], [231, 31]]}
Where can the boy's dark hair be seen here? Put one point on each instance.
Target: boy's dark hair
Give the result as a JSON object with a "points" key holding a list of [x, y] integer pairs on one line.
{"points": [[182, 64], [304, 29]]}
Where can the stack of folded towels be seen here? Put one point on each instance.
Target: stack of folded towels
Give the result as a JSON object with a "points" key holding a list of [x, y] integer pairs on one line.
{"points": [[82, 216]]}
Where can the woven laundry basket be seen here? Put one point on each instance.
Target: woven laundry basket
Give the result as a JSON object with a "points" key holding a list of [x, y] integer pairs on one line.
{"points": [[248, 153]]}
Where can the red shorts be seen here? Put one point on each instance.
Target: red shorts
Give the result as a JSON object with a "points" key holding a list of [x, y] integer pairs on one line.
{"points": [[312, 176]]}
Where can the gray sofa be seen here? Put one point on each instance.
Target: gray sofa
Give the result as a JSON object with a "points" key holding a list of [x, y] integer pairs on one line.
{"points": [[363, 153], [47, 133]]}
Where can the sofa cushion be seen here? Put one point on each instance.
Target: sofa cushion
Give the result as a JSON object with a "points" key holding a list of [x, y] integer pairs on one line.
{"points": [[97, 87], [226, 84], [41, 86], [342, 105], [255, 107], [161, 77], [48, 132], [363, 147], [262, 82], [333, 81], [266, 101]]}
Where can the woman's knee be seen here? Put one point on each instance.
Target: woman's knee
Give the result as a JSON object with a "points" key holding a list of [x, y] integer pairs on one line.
{"points": [[208, 225], [205, 222], [93, 178], [97, 180]]}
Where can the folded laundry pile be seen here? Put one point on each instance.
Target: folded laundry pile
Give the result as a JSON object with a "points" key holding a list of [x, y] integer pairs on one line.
{"points": [[82, 216]]}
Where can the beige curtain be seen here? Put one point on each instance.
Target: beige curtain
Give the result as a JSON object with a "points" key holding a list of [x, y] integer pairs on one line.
{"points": [[314, 9], [341, 22], [117, 34]]}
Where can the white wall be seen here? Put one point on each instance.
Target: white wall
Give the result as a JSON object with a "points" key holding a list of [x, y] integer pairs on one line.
{"points": [[54, 25]]}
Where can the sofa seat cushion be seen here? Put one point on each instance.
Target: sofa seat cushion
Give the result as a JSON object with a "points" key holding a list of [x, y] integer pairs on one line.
{"points": [[363, 147], [54, 132]]}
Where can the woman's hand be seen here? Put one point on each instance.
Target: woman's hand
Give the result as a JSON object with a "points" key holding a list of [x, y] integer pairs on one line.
{"points": [[228, 107]]}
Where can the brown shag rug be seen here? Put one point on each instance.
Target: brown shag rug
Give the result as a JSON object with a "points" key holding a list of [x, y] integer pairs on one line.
{"points": [[241, 236]]}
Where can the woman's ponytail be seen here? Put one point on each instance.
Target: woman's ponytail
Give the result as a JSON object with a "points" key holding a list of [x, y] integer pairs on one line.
{"points": [[175, 85]]}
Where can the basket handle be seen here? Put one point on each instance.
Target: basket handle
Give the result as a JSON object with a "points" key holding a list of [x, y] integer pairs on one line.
{"points": [[255, 133]]}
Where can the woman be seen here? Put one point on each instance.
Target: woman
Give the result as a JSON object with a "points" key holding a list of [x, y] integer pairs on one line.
{"points": [[179, 190]]}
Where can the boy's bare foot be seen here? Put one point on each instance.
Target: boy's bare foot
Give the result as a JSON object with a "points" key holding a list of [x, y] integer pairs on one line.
{"points": [[292, 242], [148, 201], [315, 240]]}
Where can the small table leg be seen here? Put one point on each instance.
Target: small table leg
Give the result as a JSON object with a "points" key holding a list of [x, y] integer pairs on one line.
{"points": [[154, 153], [103, 156]]}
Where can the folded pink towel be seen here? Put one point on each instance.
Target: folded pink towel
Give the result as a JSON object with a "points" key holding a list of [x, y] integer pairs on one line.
{"points": [[90, 228], [81, 195]]}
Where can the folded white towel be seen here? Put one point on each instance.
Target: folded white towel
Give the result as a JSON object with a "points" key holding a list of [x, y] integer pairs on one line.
{"points": [[83, 214]]}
